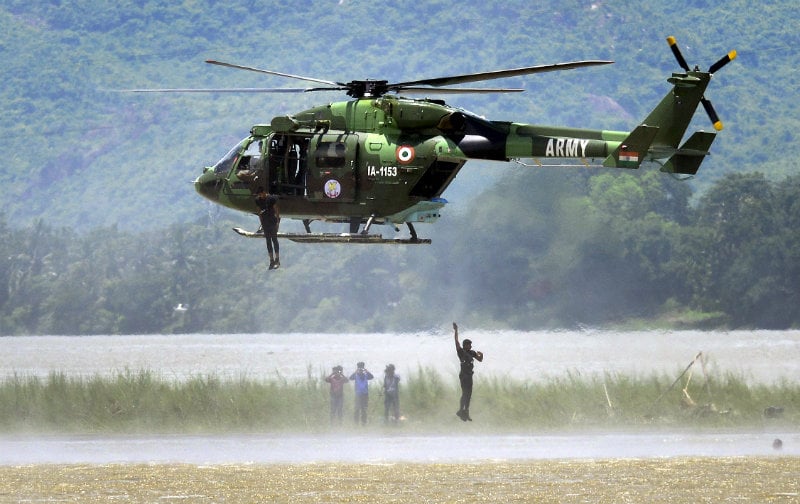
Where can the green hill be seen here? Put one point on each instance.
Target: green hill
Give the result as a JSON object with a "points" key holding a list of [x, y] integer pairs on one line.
{"points": [[101, 231]]}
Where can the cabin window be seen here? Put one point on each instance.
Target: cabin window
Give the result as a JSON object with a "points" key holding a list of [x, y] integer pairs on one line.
{"points": [[330, 155]]}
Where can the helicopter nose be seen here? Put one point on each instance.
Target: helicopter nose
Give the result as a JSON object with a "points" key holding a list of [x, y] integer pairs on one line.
{"points": [[207, 185]]}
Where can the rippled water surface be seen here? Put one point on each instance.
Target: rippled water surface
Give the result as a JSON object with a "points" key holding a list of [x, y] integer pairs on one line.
{"points": [[463, 446], [668, 481], [763, 356]]}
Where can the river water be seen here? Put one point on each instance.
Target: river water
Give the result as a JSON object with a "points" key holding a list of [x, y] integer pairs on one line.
{"points": [[389, 447], [760, 356]]}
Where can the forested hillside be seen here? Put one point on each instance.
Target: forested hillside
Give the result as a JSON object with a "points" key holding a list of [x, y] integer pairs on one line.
{"points": [[82, 155], [103, 232], [602, 250]]}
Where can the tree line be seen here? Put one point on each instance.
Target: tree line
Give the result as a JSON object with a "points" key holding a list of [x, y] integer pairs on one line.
{"points": [[540, 249]]}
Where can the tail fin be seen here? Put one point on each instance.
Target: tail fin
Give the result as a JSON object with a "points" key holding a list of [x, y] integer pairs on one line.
{"points": [[633, 150], [673, 115]]}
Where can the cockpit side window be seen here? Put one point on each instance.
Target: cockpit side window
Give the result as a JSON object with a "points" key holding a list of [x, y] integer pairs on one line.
{"points": [[254, 149], [251, 159], [225, 164]]}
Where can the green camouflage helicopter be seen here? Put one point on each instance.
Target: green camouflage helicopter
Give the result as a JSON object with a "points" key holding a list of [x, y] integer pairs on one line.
{"points": [[380, 158]]}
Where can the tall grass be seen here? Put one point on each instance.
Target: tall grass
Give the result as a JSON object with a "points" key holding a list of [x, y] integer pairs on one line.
{"points": [[143, 401]]}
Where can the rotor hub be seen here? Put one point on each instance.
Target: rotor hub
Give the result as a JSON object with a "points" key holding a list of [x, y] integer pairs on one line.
{"points": [[367, 88]]}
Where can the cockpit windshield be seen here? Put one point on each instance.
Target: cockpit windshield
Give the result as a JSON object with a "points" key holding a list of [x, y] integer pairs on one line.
{"points": [[225, 164]]}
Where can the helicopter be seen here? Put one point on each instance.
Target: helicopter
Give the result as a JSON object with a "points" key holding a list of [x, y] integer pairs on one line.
{"points": [[381, 158]]}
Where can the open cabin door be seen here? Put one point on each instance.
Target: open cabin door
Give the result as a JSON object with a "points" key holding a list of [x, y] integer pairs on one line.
{"points": [[287, 169], [332, 168]]}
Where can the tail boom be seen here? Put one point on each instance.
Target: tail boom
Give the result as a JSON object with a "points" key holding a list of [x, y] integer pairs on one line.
{"points": [[656, 139]]}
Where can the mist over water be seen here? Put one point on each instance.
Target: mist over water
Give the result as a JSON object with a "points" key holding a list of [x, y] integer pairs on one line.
{"points": [[760, 356], [392, 447]]}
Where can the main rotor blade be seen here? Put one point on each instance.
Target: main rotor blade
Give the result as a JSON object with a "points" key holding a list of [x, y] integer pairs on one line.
{"points": [[441, 90], [225, 90], [271, 72], [497, 74]]}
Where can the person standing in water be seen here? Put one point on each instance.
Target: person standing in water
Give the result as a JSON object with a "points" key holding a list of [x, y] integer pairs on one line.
{"points": [[391, 394], [361, 378], [337, 379], [466, 355]]}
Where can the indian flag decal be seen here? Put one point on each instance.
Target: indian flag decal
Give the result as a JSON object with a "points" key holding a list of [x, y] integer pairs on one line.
{"points": [[628, 158]]}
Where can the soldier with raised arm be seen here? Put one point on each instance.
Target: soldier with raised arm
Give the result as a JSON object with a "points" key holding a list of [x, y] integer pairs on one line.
{"points": [[466, 355]]}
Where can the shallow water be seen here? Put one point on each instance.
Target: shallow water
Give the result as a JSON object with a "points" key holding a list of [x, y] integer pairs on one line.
{"points": [[763, 356], [757, 355], [472, 446]]}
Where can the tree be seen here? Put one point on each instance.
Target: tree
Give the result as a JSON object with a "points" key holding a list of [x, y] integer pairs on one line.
{"points": [[745, 258]]}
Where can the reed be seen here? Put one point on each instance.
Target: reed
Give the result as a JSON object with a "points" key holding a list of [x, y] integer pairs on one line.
{"points": [[143, 401]]}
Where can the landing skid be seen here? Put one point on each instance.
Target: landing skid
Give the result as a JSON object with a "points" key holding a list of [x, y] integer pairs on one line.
{"points": [[338, 238], [351, 238]]}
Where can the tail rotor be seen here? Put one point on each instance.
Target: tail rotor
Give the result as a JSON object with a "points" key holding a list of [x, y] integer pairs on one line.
{"points": [[673, 44], [722, 62], [712, 114]]}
